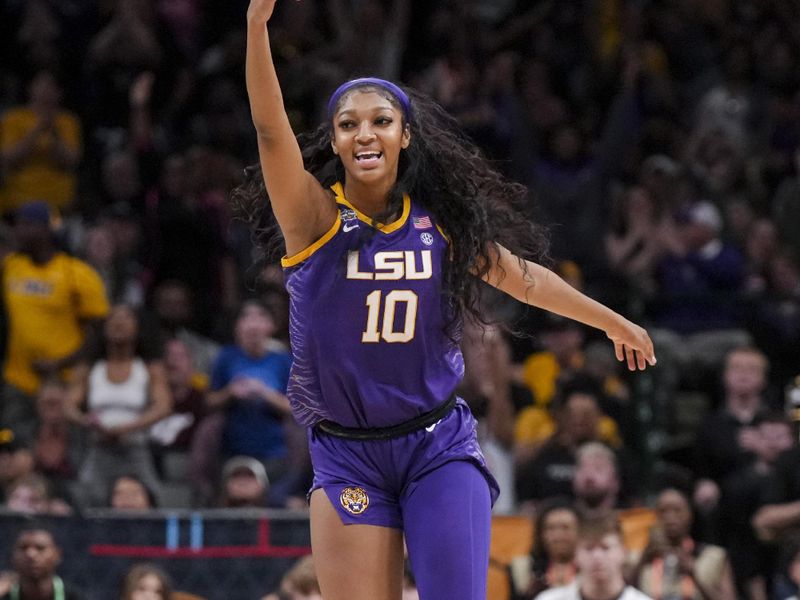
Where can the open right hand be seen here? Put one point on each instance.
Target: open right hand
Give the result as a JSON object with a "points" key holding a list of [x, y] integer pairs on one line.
{"points": [[260, 11]]}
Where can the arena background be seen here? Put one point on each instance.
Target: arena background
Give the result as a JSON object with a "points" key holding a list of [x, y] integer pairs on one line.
{"points": [[690, 108]]}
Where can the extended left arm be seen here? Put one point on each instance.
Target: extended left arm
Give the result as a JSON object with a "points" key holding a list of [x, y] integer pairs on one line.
{"points": [[538, 286]]}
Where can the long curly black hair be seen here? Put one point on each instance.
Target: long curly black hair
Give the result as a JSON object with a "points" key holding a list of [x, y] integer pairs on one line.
{"points": [[445, 172]]}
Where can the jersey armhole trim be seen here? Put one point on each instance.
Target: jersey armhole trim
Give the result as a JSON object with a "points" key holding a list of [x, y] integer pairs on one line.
{"points": [[291, 261]]}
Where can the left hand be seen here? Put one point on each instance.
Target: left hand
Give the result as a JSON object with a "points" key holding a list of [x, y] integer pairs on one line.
{"points": [[632, 343]]}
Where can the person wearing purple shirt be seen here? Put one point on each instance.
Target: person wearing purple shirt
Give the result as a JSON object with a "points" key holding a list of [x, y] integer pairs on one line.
{"points": [[391, 221]]}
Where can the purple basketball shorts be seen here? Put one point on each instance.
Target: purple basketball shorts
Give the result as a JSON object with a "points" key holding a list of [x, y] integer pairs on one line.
{"points": [[368, 482]]}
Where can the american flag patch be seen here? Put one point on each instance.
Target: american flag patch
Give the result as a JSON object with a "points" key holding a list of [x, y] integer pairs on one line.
{"points": [[422, 222]]}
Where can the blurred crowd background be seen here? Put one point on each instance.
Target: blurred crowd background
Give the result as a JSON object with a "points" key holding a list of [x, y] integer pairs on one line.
{"points": [[145, 343]]}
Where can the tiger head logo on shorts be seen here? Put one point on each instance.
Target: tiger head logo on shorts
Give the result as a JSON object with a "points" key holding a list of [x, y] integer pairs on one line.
{"points": [[354, 500]]}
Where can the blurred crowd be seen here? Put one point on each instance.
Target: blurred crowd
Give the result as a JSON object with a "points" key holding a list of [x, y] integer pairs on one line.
{"points": [[146, 352]]}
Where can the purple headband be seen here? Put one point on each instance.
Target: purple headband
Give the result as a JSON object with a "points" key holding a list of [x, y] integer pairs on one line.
{"points": [[390, 87]]}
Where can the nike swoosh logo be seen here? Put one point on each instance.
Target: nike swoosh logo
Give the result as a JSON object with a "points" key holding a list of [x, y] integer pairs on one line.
{"points": [[430, 428], [347, 228]]}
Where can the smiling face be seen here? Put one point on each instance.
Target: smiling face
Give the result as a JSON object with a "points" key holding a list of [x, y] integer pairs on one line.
{"points": [[368, 135]]}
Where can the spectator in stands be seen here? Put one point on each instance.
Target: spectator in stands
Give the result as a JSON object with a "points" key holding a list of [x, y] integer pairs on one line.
{"points": [[188, 391], [35, 558], [125, 46], [596, 483], [536, 425], [33, 494], [100, 250], [635, 241], [58, 446], [299, 583], [552, 469], [781, 499], [146, 582], [187, 237], [173, 305], [601, 366], [570, 178], [751, 560], [697, 295], [731, 105], [676, 566], [29, 495], [244, 483], [129, 493], [52, 301], [487, 389], [123, 394], [40, 147], [760, 246], [725, 440], [552, 559], [561, 356], [600, 558], [249, 382], [776, 319], [16, 461], [122, 193], [786, 208], [699, 278]]}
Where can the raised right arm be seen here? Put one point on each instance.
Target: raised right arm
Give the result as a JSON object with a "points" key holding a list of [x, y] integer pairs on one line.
{"points": [[303, 209]]}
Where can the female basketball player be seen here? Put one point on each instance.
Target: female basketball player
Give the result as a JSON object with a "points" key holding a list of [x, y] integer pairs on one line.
{"points": [[390, 220]]}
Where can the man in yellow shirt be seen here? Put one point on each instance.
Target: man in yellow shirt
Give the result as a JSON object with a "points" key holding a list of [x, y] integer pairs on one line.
{"points": [[51, 299], [40, 146]]}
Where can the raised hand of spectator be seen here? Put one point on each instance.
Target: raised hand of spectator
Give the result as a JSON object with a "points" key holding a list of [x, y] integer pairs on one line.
{"points": [[749, 438], [142, 89], [706, 494]]}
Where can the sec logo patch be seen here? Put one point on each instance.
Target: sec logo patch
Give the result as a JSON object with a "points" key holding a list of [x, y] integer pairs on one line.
{"points": [[354, 500]]}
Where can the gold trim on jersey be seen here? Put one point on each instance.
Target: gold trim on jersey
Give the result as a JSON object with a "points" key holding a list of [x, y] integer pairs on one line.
{"points": [[338, 189], [290, 261]]}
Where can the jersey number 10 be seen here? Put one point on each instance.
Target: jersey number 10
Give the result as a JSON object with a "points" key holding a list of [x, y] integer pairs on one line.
{"points": [[383, 329]]}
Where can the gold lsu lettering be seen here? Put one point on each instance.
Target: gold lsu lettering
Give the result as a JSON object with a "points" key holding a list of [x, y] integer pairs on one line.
{"points": [[393, 265]]}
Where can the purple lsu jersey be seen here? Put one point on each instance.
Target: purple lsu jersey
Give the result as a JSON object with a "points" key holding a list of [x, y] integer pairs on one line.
{"points": [[367, 321]]}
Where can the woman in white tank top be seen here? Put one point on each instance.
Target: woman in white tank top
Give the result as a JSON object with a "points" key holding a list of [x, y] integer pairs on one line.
{"points": [[118, 397]]}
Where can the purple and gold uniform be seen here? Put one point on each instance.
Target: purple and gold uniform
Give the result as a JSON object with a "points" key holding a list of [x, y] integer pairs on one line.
{"points": [[367, 322], [370, 347]]}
